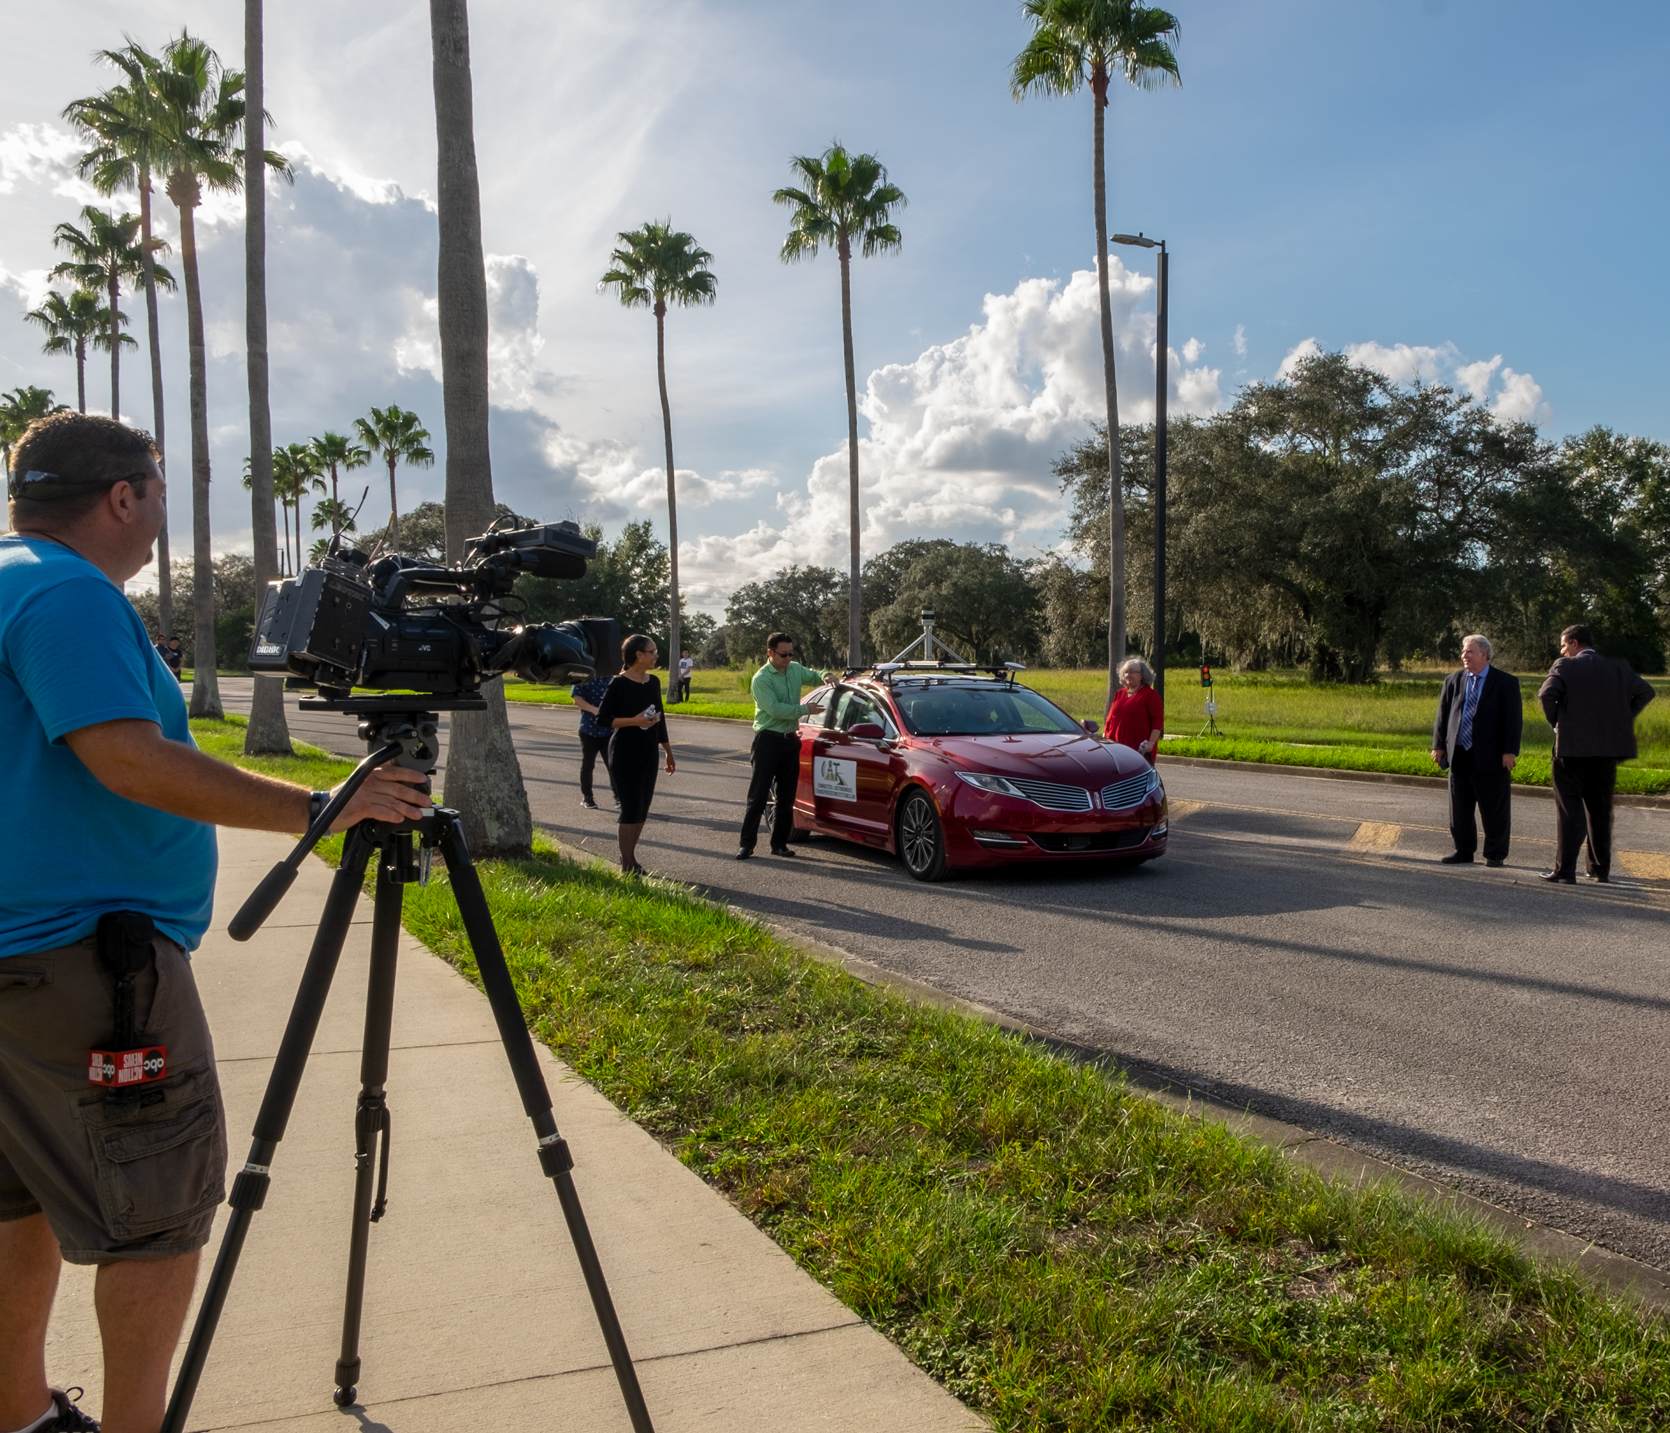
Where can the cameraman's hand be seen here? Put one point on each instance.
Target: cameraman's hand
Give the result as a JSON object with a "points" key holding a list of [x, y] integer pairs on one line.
{"points": [[392, 794]]}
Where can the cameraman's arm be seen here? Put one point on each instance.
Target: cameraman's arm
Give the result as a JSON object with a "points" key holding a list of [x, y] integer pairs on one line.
{"points": [[134, 759]]}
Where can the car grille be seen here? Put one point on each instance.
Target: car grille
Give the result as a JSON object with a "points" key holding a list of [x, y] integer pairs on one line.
{"points": [[1103, 841], [1129, 792], [1051, 795]]}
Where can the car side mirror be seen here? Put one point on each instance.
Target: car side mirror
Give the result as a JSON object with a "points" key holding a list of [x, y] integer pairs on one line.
{"points": [[867, 730], [1090, 727]]}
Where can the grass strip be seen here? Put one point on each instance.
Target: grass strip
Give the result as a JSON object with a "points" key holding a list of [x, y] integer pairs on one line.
{"points": [[1057, 1250]]}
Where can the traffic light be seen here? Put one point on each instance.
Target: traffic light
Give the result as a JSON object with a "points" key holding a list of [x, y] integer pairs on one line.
{"points": [[1205, 676]]}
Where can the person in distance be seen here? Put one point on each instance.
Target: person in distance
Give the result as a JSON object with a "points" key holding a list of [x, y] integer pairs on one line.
{"points": [[100, 906], [1137, 717], [631, 712], [776, 752], [1591, 701], [594, 739], [1476, 735]]}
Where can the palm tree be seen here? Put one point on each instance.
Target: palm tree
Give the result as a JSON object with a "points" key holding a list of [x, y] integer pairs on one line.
{"points": [[395, 434], [71, 324], [101, 256], [654, 267], [18, 409], [337, 454], [483, 779], [197, 107], [337, 516], [127, 147], [844, 197], [1074, 43]]}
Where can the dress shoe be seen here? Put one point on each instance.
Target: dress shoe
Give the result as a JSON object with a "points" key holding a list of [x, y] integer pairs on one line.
{"points": [[744, 853], [1558, 877], [1494, 861], [783, 851], [1455, 858], [1600, 876]]}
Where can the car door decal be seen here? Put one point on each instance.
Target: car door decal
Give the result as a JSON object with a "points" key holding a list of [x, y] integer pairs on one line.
{"points": [[834, 779]]}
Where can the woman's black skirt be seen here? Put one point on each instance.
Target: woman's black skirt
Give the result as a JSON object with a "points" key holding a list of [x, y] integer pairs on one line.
{"points": [[634, 784]]}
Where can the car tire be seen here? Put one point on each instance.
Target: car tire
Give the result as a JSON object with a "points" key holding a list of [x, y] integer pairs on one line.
{"points": [[921, 838], [768, 823]]}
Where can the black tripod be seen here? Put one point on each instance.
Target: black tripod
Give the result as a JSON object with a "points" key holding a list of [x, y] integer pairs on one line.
{"points": [[396, 732]]}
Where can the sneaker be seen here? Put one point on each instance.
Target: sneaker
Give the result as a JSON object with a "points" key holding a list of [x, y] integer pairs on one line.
{"points": [[588, 803], [70, 1419]]}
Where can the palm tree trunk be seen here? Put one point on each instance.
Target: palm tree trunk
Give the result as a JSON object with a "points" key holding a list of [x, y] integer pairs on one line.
{"points": [[165, 573], [1116, 477], [268, 730], [483, 779], [115, 346], [81, 375], [394, 513], [285, 504], [855, 634], [205, 684], [673, 633]]}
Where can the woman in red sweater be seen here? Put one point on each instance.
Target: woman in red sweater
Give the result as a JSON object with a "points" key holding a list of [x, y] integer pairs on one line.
{"points": [[1137, 716]]}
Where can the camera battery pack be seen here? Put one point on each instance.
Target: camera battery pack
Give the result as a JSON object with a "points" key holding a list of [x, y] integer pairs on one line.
{"points": [[118, 1068]]}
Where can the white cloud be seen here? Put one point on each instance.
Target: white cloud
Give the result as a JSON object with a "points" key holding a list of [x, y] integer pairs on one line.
{"points": [[43, 154], [961, 440], [1516, 396], [647, 492], [1240, 340], [1192, 350]]}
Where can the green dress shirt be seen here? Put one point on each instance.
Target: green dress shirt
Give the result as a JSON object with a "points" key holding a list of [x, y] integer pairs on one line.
{"points": [[777, 704]]}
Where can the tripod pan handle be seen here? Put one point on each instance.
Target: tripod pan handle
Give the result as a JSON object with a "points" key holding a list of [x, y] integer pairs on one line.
{"points": [[263, 900]]}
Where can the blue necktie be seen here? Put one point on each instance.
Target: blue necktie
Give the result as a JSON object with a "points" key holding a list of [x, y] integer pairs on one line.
{"points": [[1464, 735]]}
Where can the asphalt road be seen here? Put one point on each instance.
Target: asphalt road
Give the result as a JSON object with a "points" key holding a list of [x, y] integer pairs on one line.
{"points": [[1297, 952]]}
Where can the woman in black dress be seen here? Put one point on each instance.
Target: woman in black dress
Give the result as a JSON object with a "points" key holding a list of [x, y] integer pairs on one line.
{"points": [[631, 711]]}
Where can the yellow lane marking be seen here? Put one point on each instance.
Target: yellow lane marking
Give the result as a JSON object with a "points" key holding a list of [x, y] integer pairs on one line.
{"points": [[1647, 865], [1374, 838]]}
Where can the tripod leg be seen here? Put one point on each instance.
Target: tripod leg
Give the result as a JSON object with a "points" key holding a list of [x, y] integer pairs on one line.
{"points": [[249, 1188], [371, 1121], [554, 1157]]}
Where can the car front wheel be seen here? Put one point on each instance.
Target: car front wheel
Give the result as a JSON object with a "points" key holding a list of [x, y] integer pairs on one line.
{"points": [[921, 838]]}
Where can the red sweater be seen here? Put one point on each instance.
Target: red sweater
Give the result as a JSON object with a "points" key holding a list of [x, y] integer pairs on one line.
{"points": [[1133, 716]]}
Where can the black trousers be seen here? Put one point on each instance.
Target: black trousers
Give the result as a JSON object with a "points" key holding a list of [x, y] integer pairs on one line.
{"points": [[776, 761], [592, 747], [1491, 791], [1583, 797]]}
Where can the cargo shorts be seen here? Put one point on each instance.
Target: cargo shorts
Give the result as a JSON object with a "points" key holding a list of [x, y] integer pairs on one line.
{"points": [[134, 1177]]}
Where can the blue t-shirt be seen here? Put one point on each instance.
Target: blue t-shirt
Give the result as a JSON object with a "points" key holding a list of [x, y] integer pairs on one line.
{"points": [[592, 692], [73, 652]]}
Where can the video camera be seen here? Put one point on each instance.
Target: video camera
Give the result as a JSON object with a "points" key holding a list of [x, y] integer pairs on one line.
{"points": [[398, 624]]}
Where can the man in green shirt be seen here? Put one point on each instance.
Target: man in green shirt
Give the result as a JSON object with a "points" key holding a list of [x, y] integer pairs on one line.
{"points": [[776, 754]]}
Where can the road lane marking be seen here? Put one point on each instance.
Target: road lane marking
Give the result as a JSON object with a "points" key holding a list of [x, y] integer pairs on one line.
{"points": [[1646, 865], [1177, 810], [1374, 838]]}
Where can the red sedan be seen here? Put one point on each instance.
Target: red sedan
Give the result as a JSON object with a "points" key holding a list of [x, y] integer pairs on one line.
{"points": [[950, 769]]}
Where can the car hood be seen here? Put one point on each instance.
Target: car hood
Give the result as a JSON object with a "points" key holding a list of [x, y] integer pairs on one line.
{"points": [[1067, 757]]}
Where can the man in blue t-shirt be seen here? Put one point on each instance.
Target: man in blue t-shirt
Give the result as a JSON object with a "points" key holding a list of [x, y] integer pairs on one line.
{"points": [[594, 740], [108, 884]]}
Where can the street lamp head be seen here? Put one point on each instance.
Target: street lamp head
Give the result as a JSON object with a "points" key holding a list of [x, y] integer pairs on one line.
{"points": [[1135, 239]]}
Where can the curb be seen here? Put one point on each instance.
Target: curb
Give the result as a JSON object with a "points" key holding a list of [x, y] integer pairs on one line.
{"points": [[1388, 778]]}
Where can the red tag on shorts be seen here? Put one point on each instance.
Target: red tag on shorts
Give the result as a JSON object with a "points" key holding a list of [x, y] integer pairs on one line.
{"points": [[127, 1067]]}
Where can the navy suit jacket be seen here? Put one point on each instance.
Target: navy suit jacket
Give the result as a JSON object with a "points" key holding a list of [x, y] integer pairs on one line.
{"points": [[1592, 701], [1498, 718]]}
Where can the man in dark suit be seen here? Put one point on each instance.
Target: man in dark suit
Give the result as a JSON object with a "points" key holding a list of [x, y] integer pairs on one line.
{"points": [[1591, 701], [1480, 717]]}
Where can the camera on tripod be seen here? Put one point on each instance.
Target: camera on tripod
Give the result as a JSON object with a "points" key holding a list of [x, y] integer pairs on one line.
{"points": [[399, 624]]}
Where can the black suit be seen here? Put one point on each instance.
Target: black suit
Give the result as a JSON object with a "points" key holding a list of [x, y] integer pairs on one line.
{"points": [[1477, 776], [1591, 701]]}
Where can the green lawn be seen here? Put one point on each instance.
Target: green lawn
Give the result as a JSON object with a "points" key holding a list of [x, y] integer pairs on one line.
{"points": [[1274, 717], [1059, 1251]]}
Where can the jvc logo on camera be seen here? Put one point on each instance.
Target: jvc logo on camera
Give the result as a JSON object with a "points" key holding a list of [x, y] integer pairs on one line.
{"points": [[127, 1067]]}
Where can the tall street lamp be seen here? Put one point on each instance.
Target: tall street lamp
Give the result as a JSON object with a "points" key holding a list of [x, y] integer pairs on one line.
{"points": [[1141, 242]]}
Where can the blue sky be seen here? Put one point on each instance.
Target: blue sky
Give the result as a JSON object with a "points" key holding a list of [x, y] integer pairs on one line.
{"points": [[1467, 191]]}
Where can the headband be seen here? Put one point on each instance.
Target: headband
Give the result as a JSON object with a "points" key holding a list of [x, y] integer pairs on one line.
{"points": [[39, 487]]}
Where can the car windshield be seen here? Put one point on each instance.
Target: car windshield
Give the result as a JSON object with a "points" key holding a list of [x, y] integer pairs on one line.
{"points": [[935, 710]]}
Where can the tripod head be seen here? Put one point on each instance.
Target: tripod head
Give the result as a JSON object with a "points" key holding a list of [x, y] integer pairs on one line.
{"points": [[400, 729]]}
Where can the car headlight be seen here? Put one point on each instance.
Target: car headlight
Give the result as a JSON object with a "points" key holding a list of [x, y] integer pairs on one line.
{"points": [[996, 784]]}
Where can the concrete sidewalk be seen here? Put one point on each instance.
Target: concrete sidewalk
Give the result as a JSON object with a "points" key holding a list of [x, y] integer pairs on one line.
{"points": [[476, 1315]]}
